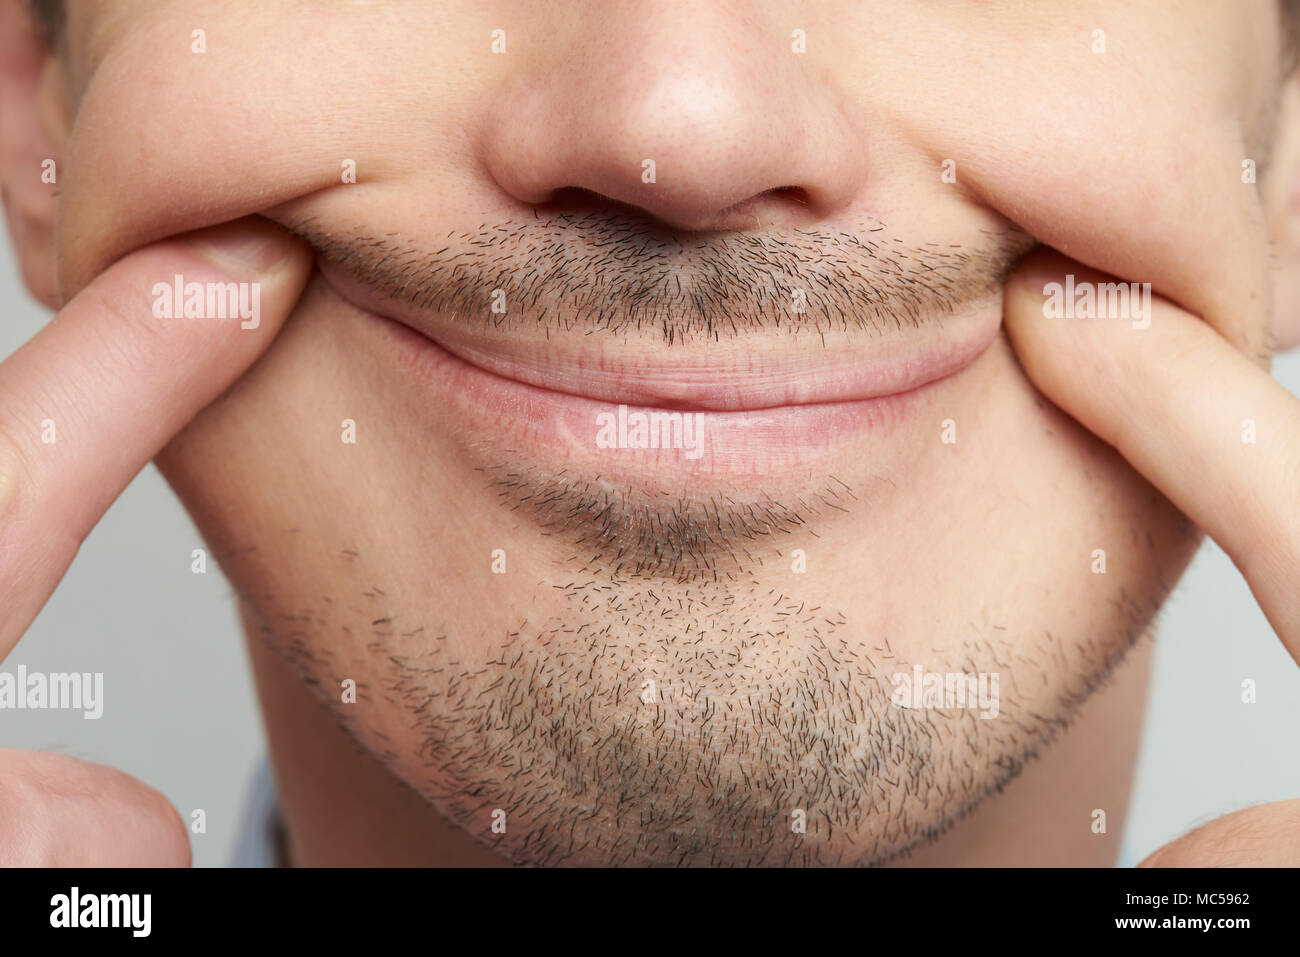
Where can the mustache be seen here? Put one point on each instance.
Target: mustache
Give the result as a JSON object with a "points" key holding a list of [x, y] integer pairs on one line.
{"points": [[607, 274]]}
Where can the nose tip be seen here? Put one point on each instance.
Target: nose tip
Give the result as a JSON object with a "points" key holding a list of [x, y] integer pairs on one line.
{"points": [[696, 135]]}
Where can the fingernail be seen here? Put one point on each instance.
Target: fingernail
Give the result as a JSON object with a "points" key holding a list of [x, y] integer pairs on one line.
{"points": [[1041, 265], [243, 246]]}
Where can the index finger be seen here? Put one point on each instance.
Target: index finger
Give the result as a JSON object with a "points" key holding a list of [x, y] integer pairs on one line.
{"points": [[1198, 419], [121, 369]]}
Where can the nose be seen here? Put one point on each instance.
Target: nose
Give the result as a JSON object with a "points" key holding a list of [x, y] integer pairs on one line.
{"points": [[702, 118]]}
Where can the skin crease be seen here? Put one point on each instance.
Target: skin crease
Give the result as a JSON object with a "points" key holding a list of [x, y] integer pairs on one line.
{"points": [[353, 560]]}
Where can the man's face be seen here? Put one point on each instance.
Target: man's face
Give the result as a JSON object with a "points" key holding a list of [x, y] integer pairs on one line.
{"points": [[660, 655]]}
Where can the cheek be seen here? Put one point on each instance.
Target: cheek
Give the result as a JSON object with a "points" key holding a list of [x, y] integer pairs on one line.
{"points": [[245, 126], [1128, 160], [1027, 525], [323, 476]]}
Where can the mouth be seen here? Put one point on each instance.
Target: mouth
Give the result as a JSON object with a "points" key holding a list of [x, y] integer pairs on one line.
{"points": [[727, 380], [720, 411]]}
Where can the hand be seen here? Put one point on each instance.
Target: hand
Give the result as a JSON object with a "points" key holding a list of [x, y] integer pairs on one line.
{"points": [[1175, 399], [83, 407]]}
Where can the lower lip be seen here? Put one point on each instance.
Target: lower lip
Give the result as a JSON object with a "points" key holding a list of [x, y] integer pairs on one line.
{"points": [[527, 424]]}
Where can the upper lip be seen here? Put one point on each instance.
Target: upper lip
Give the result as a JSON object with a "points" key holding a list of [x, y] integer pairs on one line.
{"points": [[717, 383], [762, 374]]}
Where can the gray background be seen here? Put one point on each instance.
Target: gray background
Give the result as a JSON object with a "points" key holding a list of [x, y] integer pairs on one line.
{"points": [[181, 713]]}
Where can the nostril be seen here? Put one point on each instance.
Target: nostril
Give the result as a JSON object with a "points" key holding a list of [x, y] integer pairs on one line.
{"points": [[780, 205], [591, 207], [795, 194], [577, 200], [783, 205], [782, 194]]}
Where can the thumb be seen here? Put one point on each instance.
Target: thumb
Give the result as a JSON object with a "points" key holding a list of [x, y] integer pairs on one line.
{"points": [[1200, 421], [56, 811], [1266, 835]]}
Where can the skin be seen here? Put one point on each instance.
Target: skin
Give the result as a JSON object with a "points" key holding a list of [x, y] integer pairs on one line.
{"points": [[520, 692]]}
